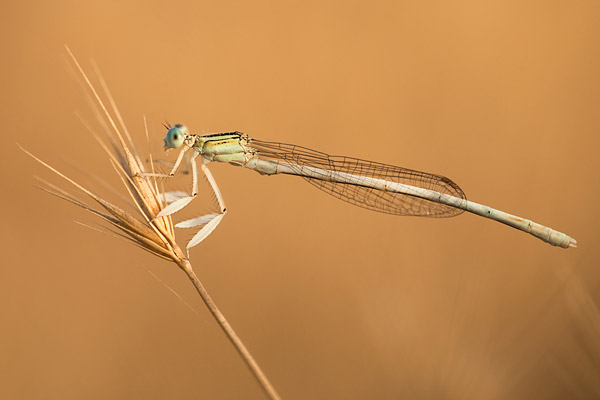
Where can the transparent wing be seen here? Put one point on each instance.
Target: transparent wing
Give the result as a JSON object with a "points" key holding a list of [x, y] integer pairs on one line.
{"points": [[366, 197]]}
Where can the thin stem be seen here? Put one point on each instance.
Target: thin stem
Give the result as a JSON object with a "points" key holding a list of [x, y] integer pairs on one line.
{"points": [[260, 376]]}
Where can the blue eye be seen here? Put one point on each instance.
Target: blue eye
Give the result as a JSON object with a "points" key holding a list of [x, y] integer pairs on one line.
{"points": [[175, 136]]}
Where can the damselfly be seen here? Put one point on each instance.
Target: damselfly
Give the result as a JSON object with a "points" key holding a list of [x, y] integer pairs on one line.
{"points": [[375, 186]]}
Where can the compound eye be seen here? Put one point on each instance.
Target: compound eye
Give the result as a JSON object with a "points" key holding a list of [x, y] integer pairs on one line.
{"points": [[175, 136], [182, 129]]}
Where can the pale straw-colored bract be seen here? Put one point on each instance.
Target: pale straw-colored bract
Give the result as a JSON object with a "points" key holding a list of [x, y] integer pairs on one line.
{"points": [[147, 229]]}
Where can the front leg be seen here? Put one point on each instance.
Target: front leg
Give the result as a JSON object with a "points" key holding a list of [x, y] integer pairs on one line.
{"points": [[184, 201], [175, 166]]}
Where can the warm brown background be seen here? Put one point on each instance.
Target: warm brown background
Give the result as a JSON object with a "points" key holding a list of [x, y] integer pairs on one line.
{"points": [[334, 301]]}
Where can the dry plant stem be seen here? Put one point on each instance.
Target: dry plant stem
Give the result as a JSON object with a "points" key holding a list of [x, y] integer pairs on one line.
{"points": [[262, 379], [151, 233]]}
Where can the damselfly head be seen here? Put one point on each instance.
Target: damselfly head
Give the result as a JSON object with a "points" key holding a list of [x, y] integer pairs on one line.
{"points": [[175, 136]]}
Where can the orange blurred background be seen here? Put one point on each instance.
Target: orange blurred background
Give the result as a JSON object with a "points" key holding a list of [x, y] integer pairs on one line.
{"points": [[334, 301]]}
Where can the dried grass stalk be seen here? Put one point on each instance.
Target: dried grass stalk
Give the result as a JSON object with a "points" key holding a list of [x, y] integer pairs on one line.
{"points": [[155, 235]]}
